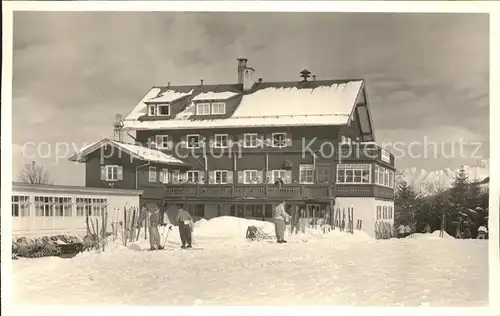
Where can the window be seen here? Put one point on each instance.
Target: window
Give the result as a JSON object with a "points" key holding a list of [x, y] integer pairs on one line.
{"points": [[218, 108], [323, 174], [221, 176], [63, 206], [176, 176], [390, 212], [279, 140], [193, 141], [203, 109], [44, 206], [162, 142], [278, 174], [384, 176], [20, 205], [356, 174], [258, 211], [111, 173], [164, 175], [163, 109], [306, 173], [220, 140], [251, 176], [379, 212], [197, 210], [384, 212], [152, 110], [83, 206], [90, 206], [250, 140], [152, 174], [193, 176], [269, 210]]}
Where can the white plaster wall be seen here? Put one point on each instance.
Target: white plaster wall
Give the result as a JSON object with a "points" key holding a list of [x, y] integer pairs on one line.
{"points": [[41, 226], [364, 209]]}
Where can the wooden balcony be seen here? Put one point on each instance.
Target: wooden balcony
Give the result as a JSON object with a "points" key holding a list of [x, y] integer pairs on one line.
{"points": [[266, 192]]}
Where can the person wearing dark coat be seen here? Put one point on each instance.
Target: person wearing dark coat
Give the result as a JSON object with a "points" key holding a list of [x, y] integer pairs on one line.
{"points": [[185, 223]]}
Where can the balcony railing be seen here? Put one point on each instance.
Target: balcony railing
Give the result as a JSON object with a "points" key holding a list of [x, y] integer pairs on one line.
{"points": [[263, 191]]}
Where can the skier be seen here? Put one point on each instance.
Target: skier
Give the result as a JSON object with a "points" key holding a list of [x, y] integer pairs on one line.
{"points": [[279, 222], [185, 223], [482, 232], [154, 234]]}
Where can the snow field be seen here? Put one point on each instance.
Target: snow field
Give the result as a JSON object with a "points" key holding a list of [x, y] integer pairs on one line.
{"points": [[333, 269]]}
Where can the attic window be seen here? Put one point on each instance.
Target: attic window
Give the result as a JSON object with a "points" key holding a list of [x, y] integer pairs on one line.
{"points": [[203, 109], [163, 109], [218, 108]]}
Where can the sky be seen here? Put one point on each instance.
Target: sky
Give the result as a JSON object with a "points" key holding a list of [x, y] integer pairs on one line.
{"points": [[427, 75]]}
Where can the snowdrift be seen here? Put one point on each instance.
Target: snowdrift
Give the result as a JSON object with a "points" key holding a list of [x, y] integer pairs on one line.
{"points": [[236, 227], [434, 235]]}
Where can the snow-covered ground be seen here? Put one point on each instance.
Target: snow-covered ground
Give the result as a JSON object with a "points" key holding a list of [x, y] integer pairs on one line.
{"points": [[312, 269]]}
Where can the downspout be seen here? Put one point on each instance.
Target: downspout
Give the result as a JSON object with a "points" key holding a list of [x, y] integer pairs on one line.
{"points": [[137, 174]]}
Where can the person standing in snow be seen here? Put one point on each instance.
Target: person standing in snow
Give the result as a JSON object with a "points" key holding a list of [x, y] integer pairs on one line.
{"points": [[401, 231], [407, 231], [154, 234], [185, 223], [280, 217]]}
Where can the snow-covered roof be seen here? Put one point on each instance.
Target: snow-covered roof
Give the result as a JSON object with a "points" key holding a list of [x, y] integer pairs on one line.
{"points": [[214, 96], [169, 96], [137, 151], [268, 104]]}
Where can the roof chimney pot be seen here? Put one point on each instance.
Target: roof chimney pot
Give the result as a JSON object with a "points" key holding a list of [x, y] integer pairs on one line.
{"points": [[201, 82], [260, 80]]}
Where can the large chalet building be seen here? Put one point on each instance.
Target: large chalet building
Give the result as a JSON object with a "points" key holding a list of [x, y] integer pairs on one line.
{"points": [[238, 149]]}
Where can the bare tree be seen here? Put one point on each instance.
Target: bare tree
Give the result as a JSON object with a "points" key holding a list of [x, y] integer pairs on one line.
{"points": [[34, 174]]}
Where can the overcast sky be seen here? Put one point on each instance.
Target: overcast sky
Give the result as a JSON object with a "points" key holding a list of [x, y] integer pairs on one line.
{"points": [[427, 74]]}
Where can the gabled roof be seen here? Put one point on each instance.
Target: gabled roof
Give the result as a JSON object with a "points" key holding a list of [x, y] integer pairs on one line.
{"points": [[136, 151], [311, 103]]}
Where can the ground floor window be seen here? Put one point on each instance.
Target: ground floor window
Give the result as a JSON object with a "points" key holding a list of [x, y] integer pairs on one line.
{"points": [[197, 210], [379, 212], [90, 206], [20, 206], [44, 206], [63, 206]]}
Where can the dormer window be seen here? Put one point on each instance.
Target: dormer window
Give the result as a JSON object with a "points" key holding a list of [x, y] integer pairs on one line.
{"points": [[203, 109], [218, 108], [163, 109], [159, 109]]}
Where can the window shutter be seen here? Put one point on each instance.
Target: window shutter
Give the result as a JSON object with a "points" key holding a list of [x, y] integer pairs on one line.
{"points": [[201, 177], [183, 177], [288, 140], [288, 176], [268, 142], [260, 141], [269, 176], [170, 144], [211, 176], [103, 172], [260, 174], [120, 173], [229, 177], [183, 142], [211, 141], [241, 175], [152, 142]]}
